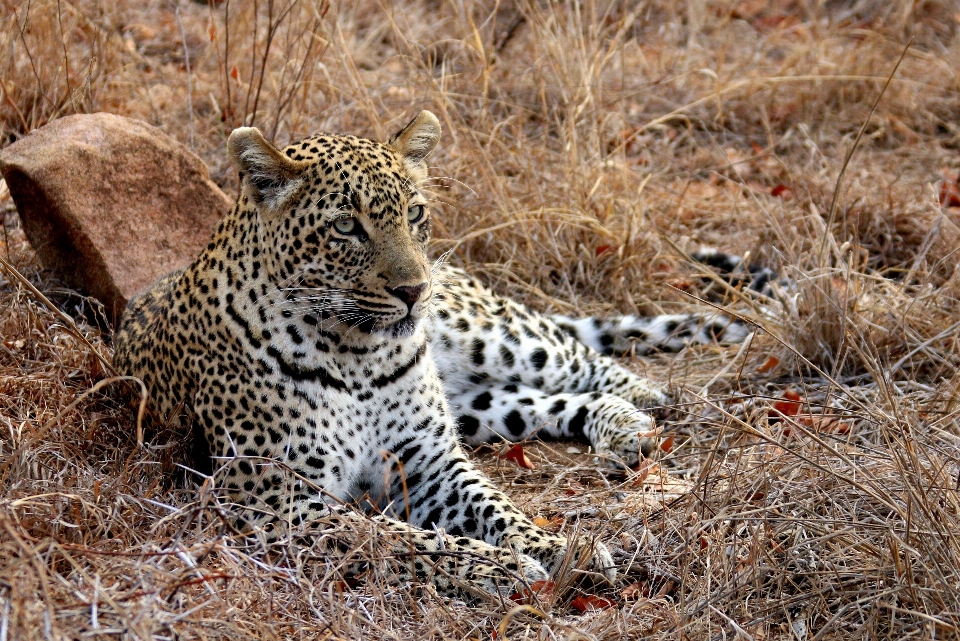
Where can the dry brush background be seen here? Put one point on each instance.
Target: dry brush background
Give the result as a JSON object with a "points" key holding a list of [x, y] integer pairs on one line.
{"points": [[587, 146]]}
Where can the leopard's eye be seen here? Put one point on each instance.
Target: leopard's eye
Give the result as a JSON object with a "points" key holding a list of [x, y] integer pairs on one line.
{"points": [[347, 225], [415, 213]]}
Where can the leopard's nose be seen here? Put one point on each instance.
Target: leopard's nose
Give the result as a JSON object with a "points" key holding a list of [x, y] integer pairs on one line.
{"points": [[409, 294]]}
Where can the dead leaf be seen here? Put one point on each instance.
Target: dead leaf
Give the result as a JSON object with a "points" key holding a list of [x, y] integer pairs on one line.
{"points": [[949, 191], [643, 470], [573, 488], [789, 406], [591, 603], [544, 591], [518, 456], [549, 524], [667, 444], [769, 364], [782, 191]]}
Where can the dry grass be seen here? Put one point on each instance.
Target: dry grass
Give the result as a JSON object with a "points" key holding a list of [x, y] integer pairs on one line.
{"points": [[568, 127]]}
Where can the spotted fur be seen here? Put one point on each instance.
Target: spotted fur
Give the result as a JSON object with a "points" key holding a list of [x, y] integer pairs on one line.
{"points": [[314, 350], [510, 372]]}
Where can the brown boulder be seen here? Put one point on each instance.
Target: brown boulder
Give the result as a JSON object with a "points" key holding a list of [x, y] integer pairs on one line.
{"points": [[112, 204]]}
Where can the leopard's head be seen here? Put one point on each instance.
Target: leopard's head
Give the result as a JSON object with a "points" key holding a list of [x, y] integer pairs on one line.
{"points": [[343, 227]]}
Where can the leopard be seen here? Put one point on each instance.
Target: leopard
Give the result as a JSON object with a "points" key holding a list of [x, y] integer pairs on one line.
{"points": [[334, 372]]}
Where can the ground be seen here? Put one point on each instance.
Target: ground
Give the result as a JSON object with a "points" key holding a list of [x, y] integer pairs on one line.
{"points": [[586, 147]]}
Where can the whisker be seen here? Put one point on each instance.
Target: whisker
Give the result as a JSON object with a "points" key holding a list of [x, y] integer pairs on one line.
{"points": [[451, 179]]}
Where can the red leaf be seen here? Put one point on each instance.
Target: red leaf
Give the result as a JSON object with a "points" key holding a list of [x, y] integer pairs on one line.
{"points": [[949, 193], [781, 191], [213, 33], [643, 470], [591, 603], [667, 444], [545, 591], [790, 406], [235, 74], [769, 364], [518, 456], [573, 488], [603, 249]]}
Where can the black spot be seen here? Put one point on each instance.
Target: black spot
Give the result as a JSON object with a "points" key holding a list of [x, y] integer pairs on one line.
{"points": [[570, 330], [467, 425], [515, 424], [407, 455], [294, 334], [558, 407], [482, 402], [577, 422], [433, 517], [476, 354], [507, 356], [538, 358]]}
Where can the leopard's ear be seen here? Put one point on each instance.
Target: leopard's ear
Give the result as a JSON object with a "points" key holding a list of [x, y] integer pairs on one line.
{"points": [[272, 177], [417, 140]]}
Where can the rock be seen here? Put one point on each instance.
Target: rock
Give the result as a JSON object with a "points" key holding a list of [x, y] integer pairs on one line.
{"points": [[112, 204]]}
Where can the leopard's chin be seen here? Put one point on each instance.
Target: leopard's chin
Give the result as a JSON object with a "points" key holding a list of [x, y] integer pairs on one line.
{"points": [[403, 328]]}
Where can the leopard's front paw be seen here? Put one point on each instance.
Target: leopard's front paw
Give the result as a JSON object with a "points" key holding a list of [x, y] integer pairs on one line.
{"points": [[601, 561], [483, 567], [523, 568], [592, 556], [635, 441], [621, 434]]}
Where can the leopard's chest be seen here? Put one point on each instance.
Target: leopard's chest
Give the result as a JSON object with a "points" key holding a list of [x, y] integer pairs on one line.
{"points": [[338, 419]]}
